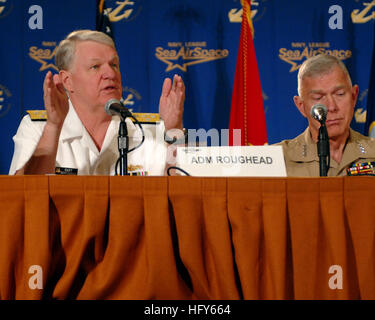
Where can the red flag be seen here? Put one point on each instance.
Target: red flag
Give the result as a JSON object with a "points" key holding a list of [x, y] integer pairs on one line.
{"points": [[247, 110]]}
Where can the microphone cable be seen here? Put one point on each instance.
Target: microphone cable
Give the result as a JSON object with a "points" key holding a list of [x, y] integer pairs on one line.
{"points": [[177, 168], [136, 147]]}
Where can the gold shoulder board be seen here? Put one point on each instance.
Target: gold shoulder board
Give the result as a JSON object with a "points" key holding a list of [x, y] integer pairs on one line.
{"points": [[150, 118], [37, 115]]}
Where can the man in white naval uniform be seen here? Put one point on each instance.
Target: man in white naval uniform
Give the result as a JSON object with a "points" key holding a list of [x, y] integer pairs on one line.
{"points": [[78, 135]]}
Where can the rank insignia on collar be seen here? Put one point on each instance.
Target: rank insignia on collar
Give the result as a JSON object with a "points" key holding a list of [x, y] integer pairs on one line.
{"points": [[304, 150], [361, 148]]}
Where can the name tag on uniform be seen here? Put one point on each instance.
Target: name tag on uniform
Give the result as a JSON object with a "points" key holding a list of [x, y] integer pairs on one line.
{"points": [[245, 161], [66, 171]]}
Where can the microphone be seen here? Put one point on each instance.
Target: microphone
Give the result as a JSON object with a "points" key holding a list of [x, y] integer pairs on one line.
{"points": [[319, 112], [115, 107]]}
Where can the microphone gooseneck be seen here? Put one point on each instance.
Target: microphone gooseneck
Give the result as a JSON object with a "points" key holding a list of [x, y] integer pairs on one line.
{"points": [[115, 107], [319, 112]]}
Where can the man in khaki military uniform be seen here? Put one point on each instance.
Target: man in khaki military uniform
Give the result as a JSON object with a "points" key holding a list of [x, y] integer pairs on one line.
{"points": [[324, 79]]}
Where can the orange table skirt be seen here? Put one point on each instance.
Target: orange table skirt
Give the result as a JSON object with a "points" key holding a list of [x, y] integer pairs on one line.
{"points": [[99, 237]]}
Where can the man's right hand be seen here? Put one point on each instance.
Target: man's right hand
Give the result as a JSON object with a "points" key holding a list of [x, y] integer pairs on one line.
{"points": [[56, 103], [55, 100]]}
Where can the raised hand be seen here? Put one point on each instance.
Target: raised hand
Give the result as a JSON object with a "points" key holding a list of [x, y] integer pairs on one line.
{"points": [[55, 99], [171, 105]]}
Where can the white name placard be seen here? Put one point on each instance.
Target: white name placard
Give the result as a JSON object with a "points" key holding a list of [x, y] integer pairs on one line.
{"points": [[245, 161]]}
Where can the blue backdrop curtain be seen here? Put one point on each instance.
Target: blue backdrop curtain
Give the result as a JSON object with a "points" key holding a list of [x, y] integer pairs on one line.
{"points": [[195, 39]]}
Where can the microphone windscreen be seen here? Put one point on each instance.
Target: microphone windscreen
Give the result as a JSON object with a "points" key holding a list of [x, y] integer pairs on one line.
{"points": [[319, 112], [110, 103]]}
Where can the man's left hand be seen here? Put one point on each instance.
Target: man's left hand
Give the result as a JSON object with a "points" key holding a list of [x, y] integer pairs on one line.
{"points": [[171, 105]]}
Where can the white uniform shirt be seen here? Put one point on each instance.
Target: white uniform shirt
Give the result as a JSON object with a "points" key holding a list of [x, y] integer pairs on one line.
{"points": [[77, 150]]}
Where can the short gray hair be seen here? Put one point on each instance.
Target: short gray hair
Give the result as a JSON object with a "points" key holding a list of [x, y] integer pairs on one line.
{"points": [[66, 49], [319, 65]]}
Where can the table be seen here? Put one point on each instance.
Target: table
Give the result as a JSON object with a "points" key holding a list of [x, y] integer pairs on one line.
{"points": [[99, 237]]}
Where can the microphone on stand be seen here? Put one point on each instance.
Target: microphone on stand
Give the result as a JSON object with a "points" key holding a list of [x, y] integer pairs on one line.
{"points": [[319, 112], [115, 107]]}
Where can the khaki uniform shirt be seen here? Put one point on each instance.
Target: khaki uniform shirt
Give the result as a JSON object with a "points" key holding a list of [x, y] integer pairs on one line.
{"points": [[301, 155]]}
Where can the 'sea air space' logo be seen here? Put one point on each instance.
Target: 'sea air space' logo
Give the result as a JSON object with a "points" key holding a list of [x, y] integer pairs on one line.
{"points": [[298, 52], [180, 55], [364, 13], [4, 100], [45, 55]]}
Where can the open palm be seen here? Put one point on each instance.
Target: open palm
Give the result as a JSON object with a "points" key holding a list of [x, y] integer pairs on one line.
{"points": [[55, 99], [171, 105]]}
